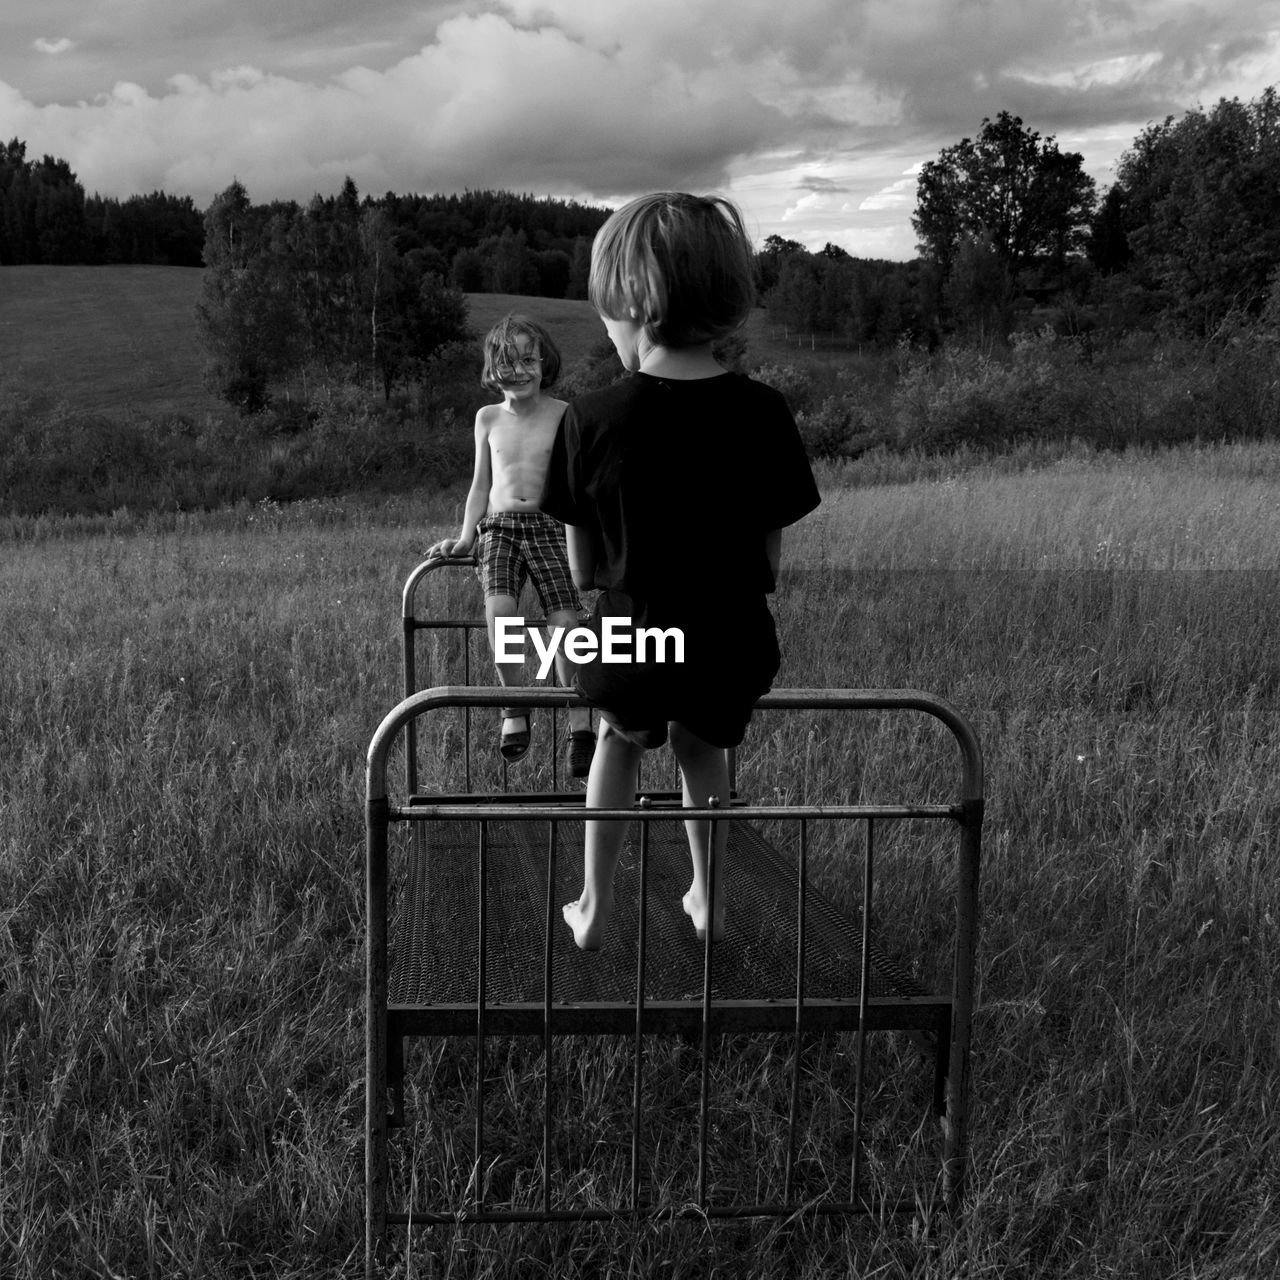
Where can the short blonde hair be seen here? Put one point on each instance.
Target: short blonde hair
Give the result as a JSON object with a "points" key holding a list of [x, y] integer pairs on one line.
{"points": [[679, 264], [500, 350]]}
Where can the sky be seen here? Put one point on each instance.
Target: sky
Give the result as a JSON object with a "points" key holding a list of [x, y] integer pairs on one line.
{"points": [[813, 115]]}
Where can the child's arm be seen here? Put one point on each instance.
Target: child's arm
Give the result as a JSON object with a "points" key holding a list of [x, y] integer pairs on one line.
{"points": [[773, 551], [581, 546], [477, 498]]}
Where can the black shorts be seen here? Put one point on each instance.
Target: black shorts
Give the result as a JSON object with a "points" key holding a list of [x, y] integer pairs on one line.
{"points": [[730, 659]]}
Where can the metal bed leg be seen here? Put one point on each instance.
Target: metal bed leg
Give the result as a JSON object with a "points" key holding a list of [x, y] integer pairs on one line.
{"points": [[375, 1167], [956, 1121]]}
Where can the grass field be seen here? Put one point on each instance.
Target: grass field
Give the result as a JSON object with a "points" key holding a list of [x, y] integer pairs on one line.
{"points": [[186, 700], [105, 338]]}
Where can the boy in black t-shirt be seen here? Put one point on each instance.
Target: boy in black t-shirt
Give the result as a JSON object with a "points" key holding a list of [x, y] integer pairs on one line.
{"points": [[674, 487]]}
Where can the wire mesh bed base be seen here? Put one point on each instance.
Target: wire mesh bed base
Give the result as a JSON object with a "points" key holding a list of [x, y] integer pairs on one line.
{"points": [[466, 945], [434, 972]]}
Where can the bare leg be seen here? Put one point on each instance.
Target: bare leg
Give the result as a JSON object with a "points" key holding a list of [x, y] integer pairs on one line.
{"points": [[579, 717], [704, 772], [509, 673], [611, 785]]}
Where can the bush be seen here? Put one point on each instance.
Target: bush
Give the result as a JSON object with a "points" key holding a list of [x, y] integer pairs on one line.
{"points": [[825, 430], [1040, 389], [600, 367], [794, 383], [54, 460]]}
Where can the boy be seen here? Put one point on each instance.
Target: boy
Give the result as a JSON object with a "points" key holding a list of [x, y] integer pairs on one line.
{"points": [[517, 540], [674, 486]]}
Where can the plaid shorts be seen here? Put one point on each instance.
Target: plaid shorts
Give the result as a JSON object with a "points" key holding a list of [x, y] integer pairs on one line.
{"points": [[516, 545]]}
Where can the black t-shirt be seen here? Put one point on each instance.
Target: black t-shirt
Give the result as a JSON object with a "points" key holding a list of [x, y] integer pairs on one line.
{"points": [[679, 482]]}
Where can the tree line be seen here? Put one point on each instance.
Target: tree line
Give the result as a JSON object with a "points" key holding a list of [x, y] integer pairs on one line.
{"points": [[1187, 236], [481, 241], [45, 217]]}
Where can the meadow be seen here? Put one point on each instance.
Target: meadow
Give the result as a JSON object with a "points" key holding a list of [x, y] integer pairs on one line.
{"points": [[106, 339], [185, 702]]}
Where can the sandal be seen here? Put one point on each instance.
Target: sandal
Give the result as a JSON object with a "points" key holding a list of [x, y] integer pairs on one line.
{"points": [[515, 742], [582, 746]]}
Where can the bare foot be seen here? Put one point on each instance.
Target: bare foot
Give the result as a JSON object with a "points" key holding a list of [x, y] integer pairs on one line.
{"points": [[588, 926], [696, 910]]}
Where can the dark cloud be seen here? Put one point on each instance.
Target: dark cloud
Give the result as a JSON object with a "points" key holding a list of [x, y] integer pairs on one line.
{"points": [[834, 99], [824, 186]]}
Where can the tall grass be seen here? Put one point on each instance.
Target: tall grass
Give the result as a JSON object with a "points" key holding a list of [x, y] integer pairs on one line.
{"points": [[184, 710], [1199, 507]]}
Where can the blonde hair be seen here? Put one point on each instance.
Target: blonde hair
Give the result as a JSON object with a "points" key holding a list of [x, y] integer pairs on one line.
{"points": [[680, 265], [500, 351]]}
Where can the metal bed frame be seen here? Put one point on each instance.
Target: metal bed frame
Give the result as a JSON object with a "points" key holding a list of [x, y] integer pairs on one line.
{"points": [[498, 860]]}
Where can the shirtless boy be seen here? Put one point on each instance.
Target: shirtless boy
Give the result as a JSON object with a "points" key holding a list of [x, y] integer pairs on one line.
{"points": [[503, 514]]}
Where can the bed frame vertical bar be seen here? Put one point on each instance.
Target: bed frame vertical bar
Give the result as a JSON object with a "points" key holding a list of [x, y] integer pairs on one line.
{"points": [[477, 1174], [801, 886], [547, 1041], [637, 1066], [466, 711], [864, 984], [713, 802]]}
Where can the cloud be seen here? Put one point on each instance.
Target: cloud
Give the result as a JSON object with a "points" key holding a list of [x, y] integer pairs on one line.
{"points": [[810, 204], [811, 109], [822, 186], [486, 103], [897, 195]]}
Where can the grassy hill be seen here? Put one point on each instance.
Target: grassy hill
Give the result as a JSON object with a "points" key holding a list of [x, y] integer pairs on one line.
{"points": [[105, 339], [113, 338], [573, 324]]}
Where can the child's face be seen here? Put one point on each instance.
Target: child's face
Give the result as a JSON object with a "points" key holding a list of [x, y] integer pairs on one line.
{"points": [[625, 336], [523, 375]]}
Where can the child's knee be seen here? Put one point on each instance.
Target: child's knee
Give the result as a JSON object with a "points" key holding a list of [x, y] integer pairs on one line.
{"points": [[566, 618]]}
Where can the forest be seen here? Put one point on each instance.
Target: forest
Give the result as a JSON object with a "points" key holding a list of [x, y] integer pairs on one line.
{"points": [[1008, 226]]}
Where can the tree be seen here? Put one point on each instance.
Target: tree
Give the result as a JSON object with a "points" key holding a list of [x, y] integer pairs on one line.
{"points": [[248, 311], [979, 291], [509, 267], [438, 317], [42, 214], [770, 258], [1108, 242], [467, 271], [1031, 201], [1199, 205], [795, 299], [579, 269], [381, 287], [408, 316]]}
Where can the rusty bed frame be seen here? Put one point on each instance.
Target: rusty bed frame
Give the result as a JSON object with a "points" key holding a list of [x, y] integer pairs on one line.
{"points": [[474, 947]]}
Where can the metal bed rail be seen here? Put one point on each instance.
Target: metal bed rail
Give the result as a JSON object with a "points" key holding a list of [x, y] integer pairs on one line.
{"points": [[949, 1018]]}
